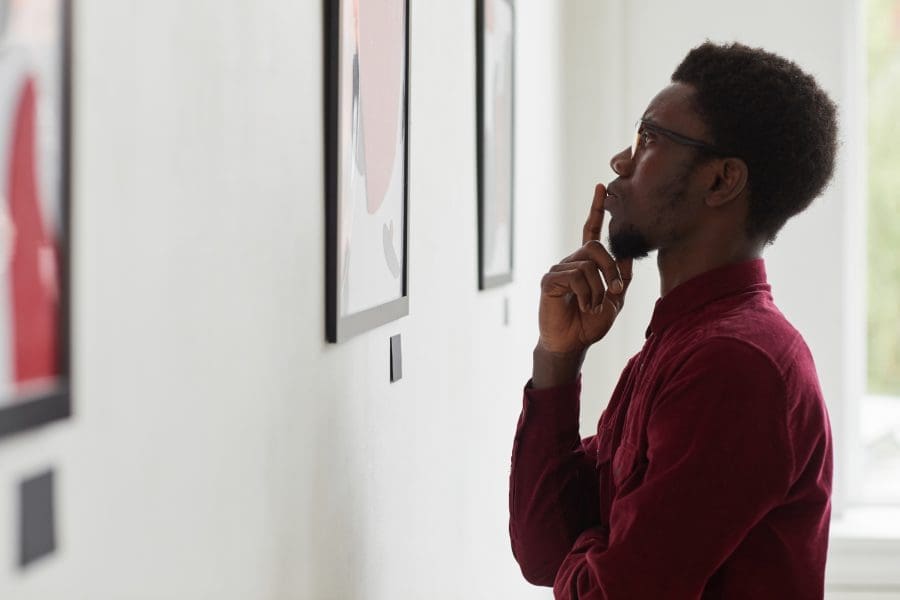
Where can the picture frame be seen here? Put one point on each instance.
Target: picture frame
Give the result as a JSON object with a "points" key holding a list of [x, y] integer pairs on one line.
{"points": [[366, 165], [35, 208], [495, 89]]}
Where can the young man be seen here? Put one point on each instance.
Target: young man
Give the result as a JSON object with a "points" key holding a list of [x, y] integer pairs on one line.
{"points": [[710, 473]]}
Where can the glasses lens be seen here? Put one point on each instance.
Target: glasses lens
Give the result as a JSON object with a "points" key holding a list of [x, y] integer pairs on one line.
{"points": [[636, 141]]}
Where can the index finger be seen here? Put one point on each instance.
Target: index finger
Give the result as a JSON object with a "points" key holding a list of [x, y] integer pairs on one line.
{"points": [[593, 227]]}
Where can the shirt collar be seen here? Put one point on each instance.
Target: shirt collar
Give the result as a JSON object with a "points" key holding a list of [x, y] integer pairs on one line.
{"points": [[706, 287]]}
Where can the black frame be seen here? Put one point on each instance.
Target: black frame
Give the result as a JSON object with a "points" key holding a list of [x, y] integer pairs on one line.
{"points": [[41, 409], [339, 329], [484, 281]]}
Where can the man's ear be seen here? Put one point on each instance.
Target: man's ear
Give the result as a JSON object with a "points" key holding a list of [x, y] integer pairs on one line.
{"points": [[729, 181]]}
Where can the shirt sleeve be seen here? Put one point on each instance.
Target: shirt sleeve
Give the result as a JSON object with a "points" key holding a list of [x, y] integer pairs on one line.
{"points": [[717, 460], [553, 486]]}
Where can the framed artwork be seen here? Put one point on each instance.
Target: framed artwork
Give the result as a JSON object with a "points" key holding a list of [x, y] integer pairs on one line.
{"points": [[35, 88], [495, 50], [366, 149]]}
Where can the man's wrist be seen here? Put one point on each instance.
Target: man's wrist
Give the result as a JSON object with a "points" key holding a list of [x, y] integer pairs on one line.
{"points": [[553, 369]]}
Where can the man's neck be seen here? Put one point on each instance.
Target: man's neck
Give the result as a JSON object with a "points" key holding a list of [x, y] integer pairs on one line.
{"points": [[678, 265]]}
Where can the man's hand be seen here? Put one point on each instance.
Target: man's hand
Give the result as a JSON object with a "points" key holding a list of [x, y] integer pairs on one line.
{"points": [[580, 300]]}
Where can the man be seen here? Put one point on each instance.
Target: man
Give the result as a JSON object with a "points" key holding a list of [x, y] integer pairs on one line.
{"points": [[710, 473]]}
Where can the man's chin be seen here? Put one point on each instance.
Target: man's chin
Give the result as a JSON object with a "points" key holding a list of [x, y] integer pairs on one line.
{"points": [[628, 243]]}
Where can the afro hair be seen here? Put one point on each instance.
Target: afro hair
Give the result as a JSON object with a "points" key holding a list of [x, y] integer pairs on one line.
{"points": [[765, 110]]}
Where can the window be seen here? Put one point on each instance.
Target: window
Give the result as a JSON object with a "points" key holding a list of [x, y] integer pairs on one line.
{"points": [[880, 415]]}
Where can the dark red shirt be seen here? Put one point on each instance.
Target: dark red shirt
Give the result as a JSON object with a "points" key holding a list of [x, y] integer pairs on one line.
{"points": [[710, 473]]}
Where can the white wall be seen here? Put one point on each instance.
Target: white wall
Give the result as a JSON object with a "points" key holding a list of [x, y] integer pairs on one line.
{"points": [[220, 449]]}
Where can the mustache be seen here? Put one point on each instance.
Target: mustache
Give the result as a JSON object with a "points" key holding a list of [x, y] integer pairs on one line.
{"points": [[612, 189]]}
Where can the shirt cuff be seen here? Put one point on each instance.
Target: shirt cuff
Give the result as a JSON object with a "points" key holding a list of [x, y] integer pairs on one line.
{"points": [[556, 410]]}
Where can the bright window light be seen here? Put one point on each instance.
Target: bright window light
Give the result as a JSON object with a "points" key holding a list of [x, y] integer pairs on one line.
{"points": [[880, 414]]}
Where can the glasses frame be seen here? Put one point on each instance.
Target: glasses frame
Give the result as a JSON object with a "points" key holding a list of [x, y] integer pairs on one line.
{"points": [[675, 137]]}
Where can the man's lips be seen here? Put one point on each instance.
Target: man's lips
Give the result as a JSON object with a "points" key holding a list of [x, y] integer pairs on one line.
{"points": [[612, 199], [614, 205], [613, 190]]}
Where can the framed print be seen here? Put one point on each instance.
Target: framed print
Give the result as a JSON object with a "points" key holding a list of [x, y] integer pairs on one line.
{"points": [[34, 212], [366, 148], [495, 35]]}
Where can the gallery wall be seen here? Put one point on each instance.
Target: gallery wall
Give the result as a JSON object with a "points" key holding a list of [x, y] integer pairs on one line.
{"points": [[220, 448]]}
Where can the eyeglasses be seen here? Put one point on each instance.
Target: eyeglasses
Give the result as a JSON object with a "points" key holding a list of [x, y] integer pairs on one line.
{"points": [[642, 127]]}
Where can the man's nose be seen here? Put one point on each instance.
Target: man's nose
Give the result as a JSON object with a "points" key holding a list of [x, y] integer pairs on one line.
{"points": [[621, 163]]}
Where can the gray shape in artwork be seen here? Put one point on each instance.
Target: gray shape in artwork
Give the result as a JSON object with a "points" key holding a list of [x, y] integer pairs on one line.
{"points": [[390, 252]]}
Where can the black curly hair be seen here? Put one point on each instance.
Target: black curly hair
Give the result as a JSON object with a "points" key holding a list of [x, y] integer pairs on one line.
{"points": [[764, 109]]}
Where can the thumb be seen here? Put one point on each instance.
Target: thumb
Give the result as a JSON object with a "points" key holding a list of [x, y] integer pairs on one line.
{"points": [[617, 301]]}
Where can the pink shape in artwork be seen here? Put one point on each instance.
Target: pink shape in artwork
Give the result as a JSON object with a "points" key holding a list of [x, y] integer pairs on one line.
{"points": [[382, 39], [34, 302]]}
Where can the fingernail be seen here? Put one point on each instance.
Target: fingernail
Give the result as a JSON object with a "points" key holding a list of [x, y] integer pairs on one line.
{"points": [[616, 286]]}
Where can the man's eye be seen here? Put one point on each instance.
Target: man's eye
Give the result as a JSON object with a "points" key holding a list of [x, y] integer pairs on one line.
{"points": [[645, 137]]}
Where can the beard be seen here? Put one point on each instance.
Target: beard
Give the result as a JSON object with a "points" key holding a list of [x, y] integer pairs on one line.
{"points": [[629, 243]]}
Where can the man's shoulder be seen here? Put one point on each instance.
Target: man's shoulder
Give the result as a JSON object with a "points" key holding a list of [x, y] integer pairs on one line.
{"points": [[756, 329]]}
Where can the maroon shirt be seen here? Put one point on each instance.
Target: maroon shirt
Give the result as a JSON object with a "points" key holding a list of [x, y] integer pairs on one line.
{"points": [[710, 473]]}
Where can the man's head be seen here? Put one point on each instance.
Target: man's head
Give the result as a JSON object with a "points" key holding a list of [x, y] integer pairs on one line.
{"points": [[741, 137]]}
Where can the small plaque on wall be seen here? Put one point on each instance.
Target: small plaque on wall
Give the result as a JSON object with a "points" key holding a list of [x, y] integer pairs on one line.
{"points": [[396, 359], [37, 518]]}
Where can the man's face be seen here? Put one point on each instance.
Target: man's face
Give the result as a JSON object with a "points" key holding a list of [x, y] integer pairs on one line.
{"points": [[655, 201]]}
